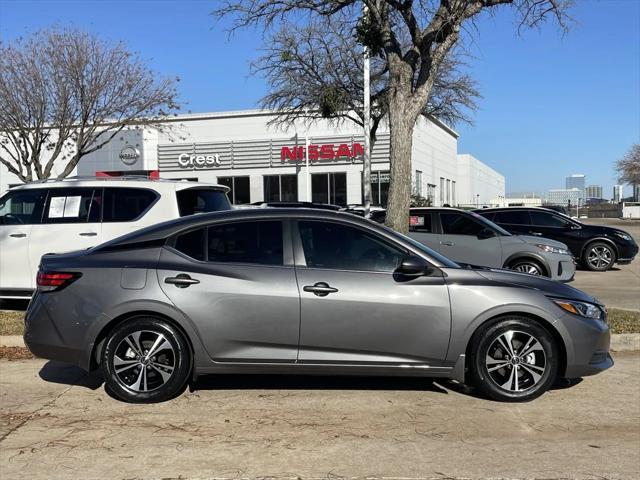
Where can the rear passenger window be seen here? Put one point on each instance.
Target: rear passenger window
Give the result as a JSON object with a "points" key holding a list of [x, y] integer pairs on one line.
{"points": [[126, 204], [246, 242], [201, 200], [71, 205], [420, 222], [192, 244], [545, 219], [513, 218]]}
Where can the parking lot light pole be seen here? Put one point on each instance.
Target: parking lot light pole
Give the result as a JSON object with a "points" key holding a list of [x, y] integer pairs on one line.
{"points": [[366, 160]]}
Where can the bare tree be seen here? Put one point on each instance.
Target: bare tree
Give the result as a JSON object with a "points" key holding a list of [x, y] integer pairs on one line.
{"points": [[65, 94], [316, 71], [628, 167], [433, 28]]}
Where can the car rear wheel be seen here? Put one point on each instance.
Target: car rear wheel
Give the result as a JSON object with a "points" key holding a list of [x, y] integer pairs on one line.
{"points": [[526, 265], [145, 360], [514, 359], [599, 256]]}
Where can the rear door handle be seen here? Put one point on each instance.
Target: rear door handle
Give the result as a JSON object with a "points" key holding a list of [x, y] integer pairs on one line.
{"points": [[320, 289], [181, 280], [447, 244], [88, 234], [18, 235], [537, 234]]}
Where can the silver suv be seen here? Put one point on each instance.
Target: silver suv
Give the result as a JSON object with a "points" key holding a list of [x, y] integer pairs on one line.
{"points": [[466, 237]]}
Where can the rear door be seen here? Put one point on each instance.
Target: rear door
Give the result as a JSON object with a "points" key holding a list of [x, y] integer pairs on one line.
{"points": [[465, 239], [20, 210], [71, 221], [423, 229], [517, 222], [237, 284]]}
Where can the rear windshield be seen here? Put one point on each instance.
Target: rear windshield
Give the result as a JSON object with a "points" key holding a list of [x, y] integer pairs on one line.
{"points": [[201, 200]]}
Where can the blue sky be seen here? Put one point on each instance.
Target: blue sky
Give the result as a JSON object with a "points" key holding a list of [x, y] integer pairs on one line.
{"points": [[553, 104]]}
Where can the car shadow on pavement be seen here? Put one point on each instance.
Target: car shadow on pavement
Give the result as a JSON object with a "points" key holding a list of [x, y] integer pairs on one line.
{"points": [[58, 372], [313, 382]]}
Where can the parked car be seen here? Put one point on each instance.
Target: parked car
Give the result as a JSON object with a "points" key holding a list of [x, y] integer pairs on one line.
{"points": [[74, 214], [304, 291], [595, 246], [466, 237]]}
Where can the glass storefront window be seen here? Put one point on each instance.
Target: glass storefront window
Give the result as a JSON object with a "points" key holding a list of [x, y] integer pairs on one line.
{"points": [[380, 188], [280, 188], [239, 190], [329, 188]]}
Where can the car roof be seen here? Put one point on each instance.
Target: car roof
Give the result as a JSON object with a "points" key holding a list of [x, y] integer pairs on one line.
{"points": [[139, 182], [498, 209]]}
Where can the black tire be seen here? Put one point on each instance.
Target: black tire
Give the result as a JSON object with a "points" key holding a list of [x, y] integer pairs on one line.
{"points": [[144, 378], [526, 265], [598, 256], [523, 385]]}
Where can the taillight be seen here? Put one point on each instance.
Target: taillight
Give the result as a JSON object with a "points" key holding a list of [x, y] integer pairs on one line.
{"points": [[49, 281]]}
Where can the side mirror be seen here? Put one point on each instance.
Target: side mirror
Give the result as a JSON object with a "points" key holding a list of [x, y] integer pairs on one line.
{"points": [[414, 267], [486, 233]]}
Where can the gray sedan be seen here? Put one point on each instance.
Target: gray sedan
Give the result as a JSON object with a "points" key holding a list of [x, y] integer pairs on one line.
{"points": [[304, 291]]}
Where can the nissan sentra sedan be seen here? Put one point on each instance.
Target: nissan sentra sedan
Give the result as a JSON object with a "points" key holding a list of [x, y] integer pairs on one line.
{"points": [[303, 291]]}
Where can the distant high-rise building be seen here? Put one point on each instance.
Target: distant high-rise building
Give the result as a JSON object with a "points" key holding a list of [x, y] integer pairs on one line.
{"points": [[593, 191], [618, 193], [636, 192], [563, 196], [577, 180]]}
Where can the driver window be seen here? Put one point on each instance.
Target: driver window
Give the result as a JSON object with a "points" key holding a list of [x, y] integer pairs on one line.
{"points": [[22, 208], [460, 224], [340, 247]]}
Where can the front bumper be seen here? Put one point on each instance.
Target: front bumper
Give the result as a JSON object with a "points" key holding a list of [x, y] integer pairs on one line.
{"points": [[562, 267], [627, 254], [587, 348]]}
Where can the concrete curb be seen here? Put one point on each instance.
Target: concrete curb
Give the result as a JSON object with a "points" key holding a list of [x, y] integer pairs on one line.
{"points": [[620, 342]]}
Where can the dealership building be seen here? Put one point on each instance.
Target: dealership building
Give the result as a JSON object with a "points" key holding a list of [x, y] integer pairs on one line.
{"points": [[321, 161]]}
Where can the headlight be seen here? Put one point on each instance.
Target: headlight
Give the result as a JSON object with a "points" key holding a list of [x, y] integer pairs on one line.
{"points": [[550, 249], [582, 309], [624, 236]]}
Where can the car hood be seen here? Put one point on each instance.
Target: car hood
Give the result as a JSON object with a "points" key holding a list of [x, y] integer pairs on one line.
{"points": [[544, 285], [540, 241]]}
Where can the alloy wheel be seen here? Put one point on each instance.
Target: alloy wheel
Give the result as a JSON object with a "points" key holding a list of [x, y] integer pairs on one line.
{"points": [[144, 361], [530, 268], [516, 361], [599, 257]]}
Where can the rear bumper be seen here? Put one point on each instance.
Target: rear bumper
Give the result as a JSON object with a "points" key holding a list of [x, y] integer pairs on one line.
{"points": [[44, 339]]}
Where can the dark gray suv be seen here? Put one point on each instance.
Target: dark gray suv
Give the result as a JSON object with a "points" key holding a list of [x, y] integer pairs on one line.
{"points": [[304, 291]]}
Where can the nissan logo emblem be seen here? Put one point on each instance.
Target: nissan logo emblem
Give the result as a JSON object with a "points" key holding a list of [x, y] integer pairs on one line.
{"points": [[129, 154]]}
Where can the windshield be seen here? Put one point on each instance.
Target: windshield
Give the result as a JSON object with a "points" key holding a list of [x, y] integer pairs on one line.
{"points": [[501, 231], [446, 262]]}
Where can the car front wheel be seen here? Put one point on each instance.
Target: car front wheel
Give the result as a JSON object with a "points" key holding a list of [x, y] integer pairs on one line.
{"points": [[527, 266], [599, 256], [514, 359], [145, 360]]}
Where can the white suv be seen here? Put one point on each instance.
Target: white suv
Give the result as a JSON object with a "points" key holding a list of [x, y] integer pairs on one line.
{"points": [[60, 216]]}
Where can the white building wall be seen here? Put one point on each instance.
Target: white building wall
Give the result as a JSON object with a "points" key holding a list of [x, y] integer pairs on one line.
{"points": [[479, 183]]}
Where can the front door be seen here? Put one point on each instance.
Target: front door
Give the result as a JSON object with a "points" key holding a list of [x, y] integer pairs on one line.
{"points": [[71, 221], [237, 284], [468, 240], [19, 211], [353, 308]]}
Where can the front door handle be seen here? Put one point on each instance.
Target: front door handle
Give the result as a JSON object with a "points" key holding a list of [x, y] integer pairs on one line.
{"points": [[320, 289], [537, 234], [18, 235], [447, 244], [181, 281], [88, 234]]}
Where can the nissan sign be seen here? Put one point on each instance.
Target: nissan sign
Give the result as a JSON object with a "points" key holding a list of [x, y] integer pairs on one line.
{"points": [[198, 161], [129, 154]]}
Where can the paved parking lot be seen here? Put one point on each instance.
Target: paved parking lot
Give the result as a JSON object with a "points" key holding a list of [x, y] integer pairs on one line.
{"points": [[59, 423]]}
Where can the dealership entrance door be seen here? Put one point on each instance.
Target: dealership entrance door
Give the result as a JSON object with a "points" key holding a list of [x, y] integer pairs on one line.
{"points": [[329, 188]]}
